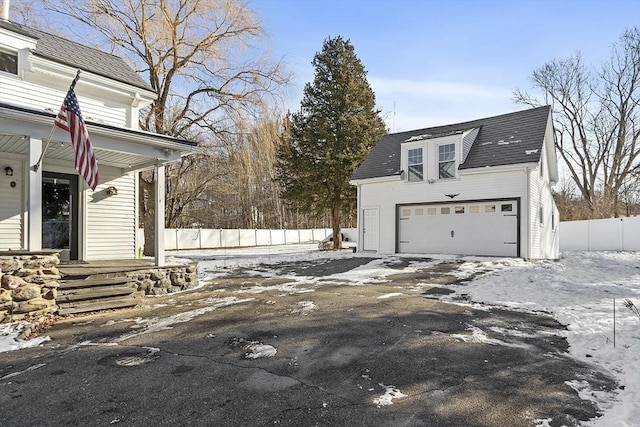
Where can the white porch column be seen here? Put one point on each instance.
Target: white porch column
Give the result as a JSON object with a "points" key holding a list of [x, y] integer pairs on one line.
{"points": [[34, 197], [160, 190]]}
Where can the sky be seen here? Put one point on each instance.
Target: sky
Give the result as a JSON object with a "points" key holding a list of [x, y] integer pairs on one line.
{"points": [[440, 62]]}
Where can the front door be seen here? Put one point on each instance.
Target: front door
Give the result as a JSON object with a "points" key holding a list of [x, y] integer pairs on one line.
{"points": [[370, 230], [60, 214]]}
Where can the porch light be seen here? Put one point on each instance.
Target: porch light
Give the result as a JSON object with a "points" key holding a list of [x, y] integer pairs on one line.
{"points": [[8, 171], [112, 191]]}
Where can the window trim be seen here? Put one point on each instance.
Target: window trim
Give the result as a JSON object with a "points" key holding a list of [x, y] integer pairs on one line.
{"points": [[409, 164], [455, 160], [16, 55]]}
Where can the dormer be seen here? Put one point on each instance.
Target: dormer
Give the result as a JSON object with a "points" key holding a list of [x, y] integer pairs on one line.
{"points": [[13, 48], [436, 157]]}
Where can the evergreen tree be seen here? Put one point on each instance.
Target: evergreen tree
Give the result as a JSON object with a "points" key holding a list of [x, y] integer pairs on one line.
{"points": [[330, 136]]}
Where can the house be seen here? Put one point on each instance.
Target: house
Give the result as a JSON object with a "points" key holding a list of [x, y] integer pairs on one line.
{"points": [[481, 187], [44, 203]]}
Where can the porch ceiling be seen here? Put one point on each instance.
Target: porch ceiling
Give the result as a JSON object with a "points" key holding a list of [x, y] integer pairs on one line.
{"points": [[62, 151], [117, 147]]}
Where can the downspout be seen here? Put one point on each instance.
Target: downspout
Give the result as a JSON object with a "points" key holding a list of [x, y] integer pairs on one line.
{"points": [[360, 241], [527, 204]]}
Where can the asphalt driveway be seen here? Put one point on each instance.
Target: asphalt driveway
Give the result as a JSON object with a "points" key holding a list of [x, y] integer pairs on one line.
{"points": [[252, 349]]}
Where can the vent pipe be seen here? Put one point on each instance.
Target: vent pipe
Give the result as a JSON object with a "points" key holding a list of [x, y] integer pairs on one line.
{"points": [[5, 10]]}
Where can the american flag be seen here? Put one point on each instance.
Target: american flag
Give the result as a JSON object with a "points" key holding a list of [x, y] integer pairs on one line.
{"points": [[70, 119]]}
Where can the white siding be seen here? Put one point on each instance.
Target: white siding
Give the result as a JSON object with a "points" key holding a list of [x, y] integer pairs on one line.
{"points": [[544, 234], [111, 220], [471, 186], [11, 205], [25, 94], [467, 142]]}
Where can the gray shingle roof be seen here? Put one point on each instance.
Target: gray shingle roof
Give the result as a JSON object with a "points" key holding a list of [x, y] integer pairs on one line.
{"points": [[76, 55], [507, 139]]}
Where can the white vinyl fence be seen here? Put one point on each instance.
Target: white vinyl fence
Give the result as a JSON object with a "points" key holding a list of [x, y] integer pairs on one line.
{"points": [[612, 234], [201, 238]]}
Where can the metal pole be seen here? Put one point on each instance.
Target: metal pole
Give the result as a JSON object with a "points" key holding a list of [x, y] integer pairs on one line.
{"points": [[37, 165], [53, 128], [614, 323]]}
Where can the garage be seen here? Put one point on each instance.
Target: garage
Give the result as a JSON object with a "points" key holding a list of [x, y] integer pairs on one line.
{"points": [[488, 227]]}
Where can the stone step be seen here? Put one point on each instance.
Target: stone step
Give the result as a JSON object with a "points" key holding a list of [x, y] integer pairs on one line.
{"points": [[96, 305], [83, 294], [90, 283]]}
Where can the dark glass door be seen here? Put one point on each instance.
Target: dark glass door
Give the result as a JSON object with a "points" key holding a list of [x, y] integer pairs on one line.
{"points": [[60, 214]]}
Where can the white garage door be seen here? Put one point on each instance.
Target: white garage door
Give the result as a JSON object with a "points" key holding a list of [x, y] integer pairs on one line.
{"points": [[473, 228]]}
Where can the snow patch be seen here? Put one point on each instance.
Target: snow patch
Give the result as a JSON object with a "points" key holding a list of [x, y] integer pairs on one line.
{"points": [[155, 324], [304, 308], [390, 393], [391, 295], [479, 336], [9, 337], [257, 350]]}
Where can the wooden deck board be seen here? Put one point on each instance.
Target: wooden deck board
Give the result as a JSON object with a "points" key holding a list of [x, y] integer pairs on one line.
{"points": [[103, 304]]}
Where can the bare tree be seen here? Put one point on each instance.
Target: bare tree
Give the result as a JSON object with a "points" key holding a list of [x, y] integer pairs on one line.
{"points": [[597, 120], [208, 63]]}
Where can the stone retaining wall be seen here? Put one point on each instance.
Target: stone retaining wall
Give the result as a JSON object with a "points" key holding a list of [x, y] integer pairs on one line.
{"points": [[28, 284], [165, 280]]}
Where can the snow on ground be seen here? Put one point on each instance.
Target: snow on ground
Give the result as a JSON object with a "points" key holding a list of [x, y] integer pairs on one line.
{"points": [[257, 350], [9, 337], [155, 324], [579, 291], [390, 393]]}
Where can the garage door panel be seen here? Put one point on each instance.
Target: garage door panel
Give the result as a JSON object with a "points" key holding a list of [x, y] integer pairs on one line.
{"points": [[478, 228]]}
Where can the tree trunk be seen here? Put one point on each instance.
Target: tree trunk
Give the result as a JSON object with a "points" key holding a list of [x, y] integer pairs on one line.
{"points": [[335, 223]]}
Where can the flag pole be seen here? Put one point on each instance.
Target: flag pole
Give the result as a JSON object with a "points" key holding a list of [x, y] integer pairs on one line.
{"points": [[53, 129]]}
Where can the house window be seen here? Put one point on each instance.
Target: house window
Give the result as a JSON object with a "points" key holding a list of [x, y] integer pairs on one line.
{"points": [[447, 161], [415, 164], [419, 211], [8, 62], [406, 212], [431, 211], [541, 214], [459, 209], [489, 208], [506, 207], [445, 211], [474, 209]]}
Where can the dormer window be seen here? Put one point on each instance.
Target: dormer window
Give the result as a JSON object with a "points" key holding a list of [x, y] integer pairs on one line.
{"points": [[8, 61], [415, 165], [446, 161]]}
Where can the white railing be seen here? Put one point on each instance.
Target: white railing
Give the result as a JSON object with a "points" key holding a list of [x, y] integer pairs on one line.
{"points": [[612, 234], [201, 238]]}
